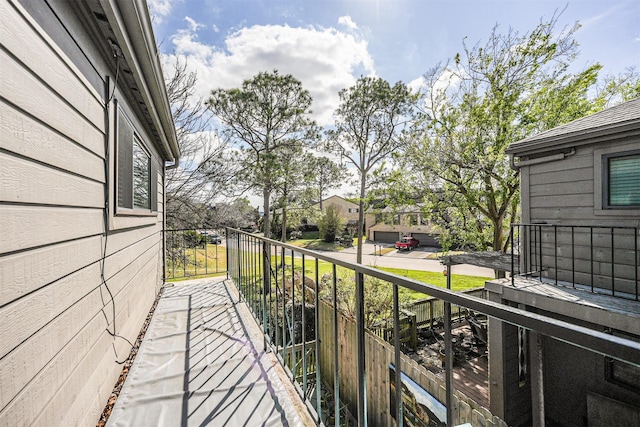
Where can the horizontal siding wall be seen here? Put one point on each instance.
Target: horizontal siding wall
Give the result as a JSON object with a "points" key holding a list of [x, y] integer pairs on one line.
{"points": [[66, 286], [563, 193], [563, 190]]}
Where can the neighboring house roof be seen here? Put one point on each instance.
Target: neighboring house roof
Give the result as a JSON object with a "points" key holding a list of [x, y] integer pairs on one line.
{"points": [[129, 23], [328, 199], [404, 209], [614, 122]]}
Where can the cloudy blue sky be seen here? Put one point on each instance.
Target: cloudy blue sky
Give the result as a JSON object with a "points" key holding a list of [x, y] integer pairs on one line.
{"points": [[327, 44]]}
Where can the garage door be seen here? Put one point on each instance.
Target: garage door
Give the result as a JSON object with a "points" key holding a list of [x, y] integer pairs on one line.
{"points": [[427, 239], [386, 236]]}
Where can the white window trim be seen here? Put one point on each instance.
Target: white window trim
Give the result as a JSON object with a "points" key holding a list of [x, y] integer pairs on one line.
{"points": [[121, 218]]}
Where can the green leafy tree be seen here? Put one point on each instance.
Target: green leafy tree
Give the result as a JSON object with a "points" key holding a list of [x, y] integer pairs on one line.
{"points": [[619, 88], [290, 184], [369, 127], [323, 174], [266, 115], [235, 214], [330, 224], [493, 95], [377, 293]]}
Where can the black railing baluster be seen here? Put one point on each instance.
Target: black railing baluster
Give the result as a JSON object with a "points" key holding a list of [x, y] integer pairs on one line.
{"points": [[292, 327], [555, 252], [512, 255], [573, 257], [284, 304], [304, 329], [397, 359], [317, 336], [613, 262], [360, 350], [336, 370], [540, 251]]}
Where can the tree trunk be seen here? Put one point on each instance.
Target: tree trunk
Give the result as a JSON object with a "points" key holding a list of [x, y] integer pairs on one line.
{"points": [[266, 195], [284, 225], [360, 221], [498, 239]]}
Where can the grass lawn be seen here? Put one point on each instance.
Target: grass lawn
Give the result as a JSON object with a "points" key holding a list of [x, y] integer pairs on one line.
{"points": [[459, 282], [198, 262], [437, 255], [315, 245], [320, 245]]}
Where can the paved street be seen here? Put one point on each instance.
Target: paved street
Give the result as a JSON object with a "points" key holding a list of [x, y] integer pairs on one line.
{"points": [[413, 260]]}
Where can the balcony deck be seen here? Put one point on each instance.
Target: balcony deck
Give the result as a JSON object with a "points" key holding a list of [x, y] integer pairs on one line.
{"points": [[622, 314], [202, 362]]}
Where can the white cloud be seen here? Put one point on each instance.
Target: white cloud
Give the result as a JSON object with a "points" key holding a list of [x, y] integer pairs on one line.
{"points": [[215, 28], [416, 85], [193, 25], [347, 22], [158, 9], [323, 59]]}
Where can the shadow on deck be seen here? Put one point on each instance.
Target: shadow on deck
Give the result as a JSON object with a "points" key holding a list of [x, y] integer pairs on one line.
{"points": [[202, 362]]}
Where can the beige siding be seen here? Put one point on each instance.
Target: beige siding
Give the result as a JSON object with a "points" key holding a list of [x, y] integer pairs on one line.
{"points": [[343, 205], [65, 285]]}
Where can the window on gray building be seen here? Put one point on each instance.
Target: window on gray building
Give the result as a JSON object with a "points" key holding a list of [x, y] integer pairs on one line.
{"points": [[622, 180]]}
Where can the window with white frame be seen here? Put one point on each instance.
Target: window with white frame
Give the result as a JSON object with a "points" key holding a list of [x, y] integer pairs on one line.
{"points": [[136, 169], [621, 180]]}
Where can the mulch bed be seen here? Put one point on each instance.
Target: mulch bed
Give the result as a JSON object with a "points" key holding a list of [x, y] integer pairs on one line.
{"points": [[127, 365]]}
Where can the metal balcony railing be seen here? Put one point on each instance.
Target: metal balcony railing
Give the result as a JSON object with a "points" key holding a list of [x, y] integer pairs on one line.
{"points": [[194, 252], [598, 258], [304, 300]]}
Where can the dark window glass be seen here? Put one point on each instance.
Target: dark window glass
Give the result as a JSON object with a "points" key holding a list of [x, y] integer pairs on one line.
{"points": [[624, 181], [141, 176], [137, 170]]}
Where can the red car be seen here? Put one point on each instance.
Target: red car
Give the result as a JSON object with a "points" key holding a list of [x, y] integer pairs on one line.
{"points": [[407, 243]]}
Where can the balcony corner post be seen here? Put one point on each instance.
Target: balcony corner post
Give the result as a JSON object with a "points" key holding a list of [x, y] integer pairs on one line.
{"points": [[360, 349]]}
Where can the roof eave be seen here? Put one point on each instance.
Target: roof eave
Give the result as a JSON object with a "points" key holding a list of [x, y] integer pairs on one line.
{"points": [[540, 144], [131, 25]]}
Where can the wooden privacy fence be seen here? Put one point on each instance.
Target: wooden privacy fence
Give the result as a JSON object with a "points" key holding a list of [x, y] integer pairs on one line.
{"points": [[427, 312], [341, 368], [430, 311]]}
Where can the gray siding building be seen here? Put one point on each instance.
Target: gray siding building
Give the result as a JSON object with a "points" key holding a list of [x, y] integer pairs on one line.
{"points": [[577, 261]]}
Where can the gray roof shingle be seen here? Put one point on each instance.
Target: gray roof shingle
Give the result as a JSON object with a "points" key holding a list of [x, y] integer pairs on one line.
{"points": [[612, 120]]}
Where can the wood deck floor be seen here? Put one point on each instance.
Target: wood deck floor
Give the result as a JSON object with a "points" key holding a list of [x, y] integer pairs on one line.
{"points": [[472, 379]]}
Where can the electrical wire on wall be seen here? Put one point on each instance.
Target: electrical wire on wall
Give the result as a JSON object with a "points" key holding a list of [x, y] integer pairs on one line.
{"points": [[109, 96]]}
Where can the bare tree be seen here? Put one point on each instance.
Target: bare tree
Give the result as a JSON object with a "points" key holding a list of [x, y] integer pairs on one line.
{"points": [[203, 171]]}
